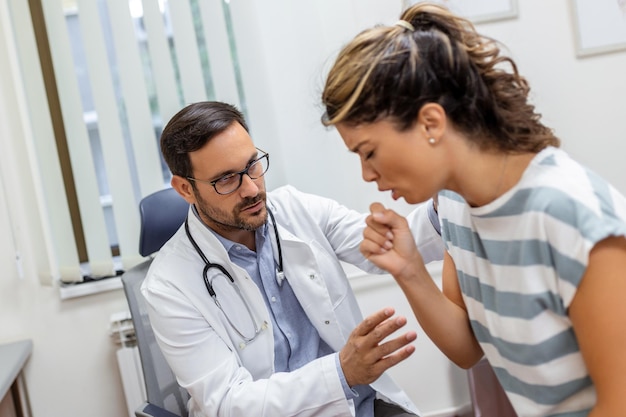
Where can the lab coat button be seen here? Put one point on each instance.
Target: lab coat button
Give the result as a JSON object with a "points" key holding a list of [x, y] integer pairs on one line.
{"points": [[327, 322], [312, 276]]}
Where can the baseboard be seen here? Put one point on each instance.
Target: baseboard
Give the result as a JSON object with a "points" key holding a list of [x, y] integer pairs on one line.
{"points": [[461, 411]]}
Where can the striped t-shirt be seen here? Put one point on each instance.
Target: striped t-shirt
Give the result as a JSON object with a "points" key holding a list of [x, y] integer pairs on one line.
{"points": [[519, 261]]}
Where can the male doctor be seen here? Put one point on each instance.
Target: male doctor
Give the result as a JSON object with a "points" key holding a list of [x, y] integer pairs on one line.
{"points": [[248, 300]]}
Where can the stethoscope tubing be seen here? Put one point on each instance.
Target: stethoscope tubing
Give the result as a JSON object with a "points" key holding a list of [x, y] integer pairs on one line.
{"points": [[208, 265]]}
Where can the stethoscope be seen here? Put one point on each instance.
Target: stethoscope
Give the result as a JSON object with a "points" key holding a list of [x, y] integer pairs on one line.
{"points": [[280, 276]]}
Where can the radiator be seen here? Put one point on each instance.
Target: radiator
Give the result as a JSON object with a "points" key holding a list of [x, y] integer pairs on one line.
{"points": [[128, 361]]}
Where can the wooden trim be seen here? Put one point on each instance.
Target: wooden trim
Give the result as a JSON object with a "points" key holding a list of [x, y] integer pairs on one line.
{"points": [[56, 115]]}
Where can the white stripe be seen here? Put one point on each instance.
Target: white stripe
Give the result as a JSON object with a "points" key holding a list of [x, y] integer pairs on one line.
{"points": [[506, 277], [111, 136], [162, 66], [218, 48], [136, 100], [80, 153], [187, 53], [40, 143], [559, 371], [576, 182], [517, 330], [509, 228], [527, 408]]}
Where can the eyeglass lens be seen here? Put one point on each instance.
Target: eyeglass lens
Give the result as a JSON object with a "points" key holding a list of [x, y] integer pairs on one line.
{"points": [[229, 183]]}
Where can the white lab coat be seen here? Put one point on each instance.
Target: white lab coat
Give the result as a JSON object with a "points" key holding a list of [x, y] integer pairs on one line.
{"points": [[228, 378]]}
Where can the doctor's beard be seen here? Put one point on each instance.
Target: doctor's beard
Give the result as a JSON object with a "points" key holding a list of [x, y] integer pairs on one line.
{"points": [[222, 219]]}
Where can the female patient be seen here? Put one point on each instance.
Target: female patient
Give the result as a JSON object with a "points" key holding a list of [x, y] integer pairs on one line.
{"points": [[535, 272]]}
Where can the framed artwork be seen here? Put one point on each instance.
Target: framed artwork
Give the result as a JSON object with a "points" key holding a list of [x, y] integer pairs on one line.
{"points": [[600, 26], [478, 11]]}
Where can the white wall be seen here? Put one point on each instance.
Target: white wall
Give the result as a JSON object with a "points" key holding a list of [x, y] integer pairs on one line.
{"points": [[73, 369], [291, 45], [436, 385]]}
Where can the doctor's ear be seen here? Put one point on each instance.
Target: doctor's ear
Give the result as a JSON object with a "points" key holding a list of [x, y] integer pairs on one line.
{"points": [[184, 188], [432, 117]]}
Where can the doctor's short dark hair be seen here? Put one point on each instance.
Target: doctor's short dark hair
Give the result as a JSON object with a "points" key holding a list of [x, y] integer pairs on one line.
{"points": [[191, 128]]}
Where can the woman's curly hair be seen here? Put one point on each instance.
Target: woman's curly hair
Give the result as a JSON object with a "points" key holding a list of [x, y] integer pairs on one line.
{"points": [[390, 72]]}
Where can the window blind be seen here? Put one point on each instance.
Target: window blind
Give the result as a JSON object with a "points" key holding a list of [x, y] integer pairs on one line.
{"points": [[121, 69]]}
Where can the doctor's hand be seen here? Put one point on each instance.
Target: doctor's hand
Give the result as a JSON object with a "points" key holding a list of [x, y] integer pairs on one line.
{"points": [[389, 243], [366, 356]]}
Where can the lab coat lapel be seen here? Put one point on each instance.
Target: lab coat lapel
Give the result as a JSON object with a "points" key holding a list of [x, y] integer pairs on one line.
{"points": [[302, 272]]}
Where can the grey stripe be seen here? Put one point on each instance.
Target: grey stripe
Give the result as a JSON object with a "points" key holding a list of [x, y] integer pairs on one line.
{"points": [[602, 191], [555, 347], [451, 195], [557, 204], [583, 413], [549, 160], [542, 394], [514, 252], [510, 304]]}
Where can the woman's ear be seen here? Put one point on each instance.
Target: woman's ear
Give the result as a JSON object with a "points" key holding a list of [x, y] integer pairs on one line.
{"points": [[432, 118], [183, 187]]}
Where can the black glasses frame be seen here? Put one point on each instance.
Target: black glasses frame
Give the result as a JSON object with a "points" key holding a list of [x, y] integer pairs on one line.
{"points": [[240, 173]]}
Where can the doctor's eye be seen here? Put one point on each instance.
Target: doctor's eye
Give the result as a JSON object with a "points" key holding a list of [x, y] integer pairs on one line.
{"points": [[227, 179], [368, 155]]}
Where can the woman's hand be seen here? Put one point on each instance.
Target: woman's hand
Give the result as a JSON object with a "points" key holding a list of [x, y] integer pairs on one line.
{"points": [[388, 242]]}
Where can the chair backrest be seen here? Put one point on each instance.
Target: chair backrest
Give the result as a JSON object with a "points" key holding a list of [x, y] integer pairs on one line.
{"points": [[487, 395], [162, 213]]}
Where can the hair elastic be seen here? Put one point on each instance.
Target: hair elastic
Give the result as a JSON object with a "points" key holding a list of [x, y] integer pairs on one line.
{"points": [[406, 25]]}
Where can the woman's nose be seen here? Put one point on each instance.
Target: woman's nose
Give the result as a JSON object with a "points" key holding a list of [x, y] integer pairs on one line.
{"points": [[368, 173]]}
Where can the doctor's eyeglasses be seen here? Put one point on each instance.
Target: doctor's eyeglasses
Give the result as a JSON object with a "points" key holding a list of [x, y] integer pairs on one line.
{"points": [[229, 183]]}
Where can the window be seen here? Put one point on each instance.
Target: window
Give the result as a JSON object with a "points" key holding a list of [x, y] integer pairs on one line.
{"points": [[113, 74]]}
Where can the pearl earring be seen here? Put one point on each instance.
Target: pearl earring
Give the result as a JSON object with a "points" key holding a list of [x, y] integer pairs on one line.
{"points": [[432, 141]]}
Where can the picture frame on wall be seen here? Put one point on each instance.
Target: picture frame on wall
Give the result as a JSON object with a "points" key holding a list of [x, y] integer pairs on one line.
{"points": [[478, 11], [599, 26]]}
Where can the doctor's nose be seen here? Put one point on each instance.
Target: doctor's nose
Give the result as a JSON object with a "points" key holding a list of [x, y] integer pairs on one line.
{"points": [[249, 187]]}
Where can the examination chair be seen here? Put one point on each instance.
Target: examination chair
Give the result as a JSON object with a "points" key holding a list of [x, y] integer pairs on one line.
{"points": [[161, 215]]}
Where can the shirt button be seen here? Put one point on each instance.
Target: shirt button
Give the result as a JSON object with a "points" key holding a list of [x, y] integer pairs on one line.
{"points": [[273, 299]]}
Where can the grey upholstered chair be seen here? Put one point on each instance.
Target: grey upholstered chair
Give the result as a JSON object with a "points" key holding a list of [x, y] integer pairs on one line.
{"points": [[162, 213]]}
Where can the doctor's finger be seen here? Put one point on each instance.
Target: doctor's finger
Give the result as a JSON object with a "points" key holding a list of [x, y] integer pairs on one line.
{"points": [[391, 360], [372, 321], [388, 347], [386, 329]]}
